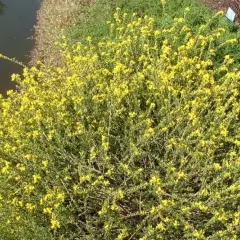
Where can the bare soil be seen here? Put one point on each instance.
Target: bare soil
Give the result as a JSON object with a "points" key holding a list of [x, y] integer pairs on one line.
{"points": [[218, 5]]}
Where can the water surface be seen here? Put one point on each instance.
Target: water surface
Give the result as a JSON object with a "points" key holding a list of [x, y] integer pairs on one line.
{"points": [[17, 20]]}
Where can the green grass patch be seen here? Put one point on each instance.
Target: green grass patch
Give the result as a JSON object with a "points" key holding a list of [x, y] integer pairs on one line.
{"points": [[92, 20]]}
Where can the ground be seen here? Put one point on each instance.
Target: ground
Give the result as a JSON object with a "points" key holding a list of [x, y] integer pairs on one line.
{"points": [[217, 5]]}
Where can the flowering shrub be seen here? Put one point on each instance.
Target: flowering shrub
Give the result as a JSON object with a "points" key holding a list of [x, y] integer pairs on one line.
{"points": [[135, 138]]}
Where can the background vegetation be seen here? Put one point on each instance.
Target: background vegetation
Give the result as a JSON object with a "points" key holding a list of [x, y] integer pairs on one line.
{"points": [[81, 18]]}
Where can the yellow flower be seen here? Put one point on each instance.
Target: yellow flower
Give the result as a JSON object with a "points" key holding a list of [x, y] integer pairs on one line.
{"points": [[234, 40], [132, 114], [36, 178], [47, 210], [30, 206], [89, 39], [181, 175], [61, 196], [157, 33], [219, 13], [160, 227], [29, 188], [44, 164], [155, 180], [223, 131], [163, 2], [217, 166], [54, 223], [179, 20]]}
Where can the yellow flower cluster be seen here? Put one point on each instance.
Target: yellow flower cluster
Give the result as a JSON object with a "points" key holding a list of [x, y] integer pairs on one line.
{"points": [[134, 137]]}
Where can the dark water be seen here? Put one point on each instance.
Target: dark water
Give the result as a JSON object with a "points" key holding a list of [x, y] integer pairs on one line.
{"points": [[17, 19]]}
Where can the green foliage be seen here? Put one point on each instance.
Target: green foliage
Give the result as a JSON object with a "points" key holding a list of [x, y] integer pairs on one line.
{"points": [[136, 137], [92, 20]]}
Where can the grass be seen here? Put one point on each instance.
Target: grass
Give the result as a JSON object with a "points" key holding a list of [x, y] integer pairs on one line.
{"points": [[92, 22], [78, 20]]}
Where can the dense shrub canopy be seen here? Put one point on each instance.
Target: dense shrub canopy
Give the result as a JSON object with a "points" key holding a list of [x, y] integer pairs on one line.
{"points": [[135, 138]]}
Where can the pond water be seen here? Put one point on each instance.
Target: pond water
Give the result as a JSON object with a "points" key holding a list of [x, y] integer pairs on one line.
{"points": [[17, 20]]}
